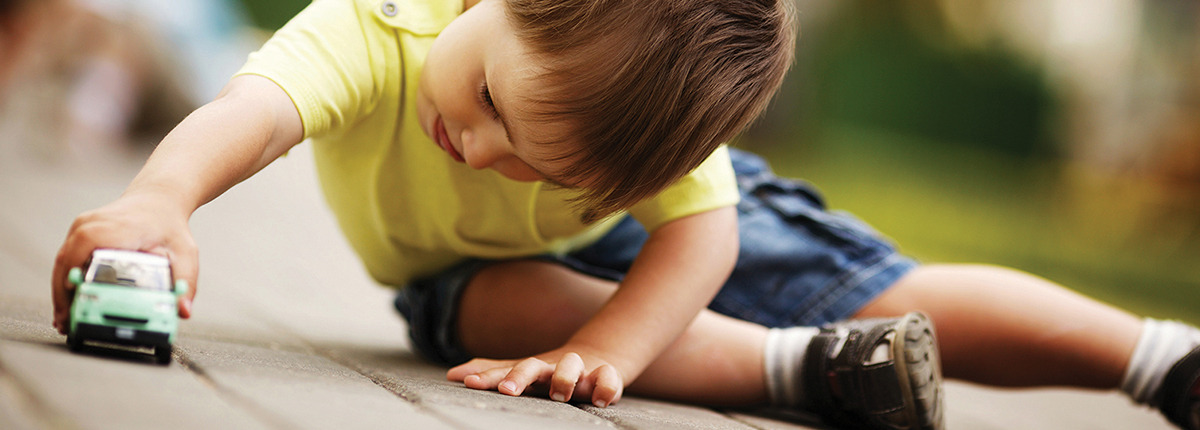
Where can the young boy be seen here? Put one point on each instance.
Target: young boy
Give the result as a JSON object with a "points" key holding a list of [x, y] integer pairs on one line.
{"points": [[545, 180]]}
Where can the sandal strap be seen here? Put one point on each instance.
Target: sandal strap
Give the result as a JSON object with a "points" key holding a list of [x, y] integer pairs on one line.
{"points": [[817, 390], [886, 395], [884, 392]]}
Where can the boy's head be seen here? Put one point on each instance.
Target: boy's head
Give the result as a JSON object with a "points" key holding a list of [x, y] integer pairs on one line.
{"points": [[619, 97]]}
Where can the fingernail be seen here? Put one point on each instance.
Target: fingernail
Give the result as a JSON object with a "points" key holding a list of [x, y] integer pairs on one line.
{"points": [[558, 397], [509, 386], [601, 403]]}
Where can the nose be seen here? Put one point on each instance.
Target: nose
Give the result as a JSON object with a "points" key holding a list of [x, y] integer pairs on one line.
{"points": [[481, 151]]}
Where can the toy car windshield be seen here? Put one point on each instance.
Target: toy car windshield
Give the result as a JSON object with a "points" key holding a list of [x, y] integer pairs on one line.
{"points": [[129, 269]]}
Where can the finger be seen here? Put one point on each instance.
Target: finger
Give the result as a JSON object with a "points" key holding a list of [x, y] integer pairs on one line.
{"points": [[73, 253], [487, 379], [608, 385], [184, 258], [457, 373], [523, 374], [567, 373], [59, 293]]}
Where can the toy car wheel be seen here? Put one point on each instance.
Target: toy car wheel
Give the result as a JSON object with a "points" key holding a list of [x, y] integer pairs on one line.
{"points": [[74, 343], [162, 354]]}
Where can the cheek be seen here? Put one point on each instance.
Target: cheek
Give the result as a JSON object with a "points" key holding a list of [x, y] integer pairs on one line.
{"points": [[426, 88], [432, 74], [443, 84], [439, 64]]}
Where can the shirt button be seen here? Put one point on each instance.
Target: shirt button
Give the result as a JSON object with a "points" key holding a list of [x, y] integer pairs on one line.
{"points": [[389, 8]]}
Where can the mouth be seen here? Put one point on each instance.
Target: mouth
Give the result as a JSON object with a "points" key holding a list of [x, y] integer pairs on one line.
{"points": [[442, 139]]}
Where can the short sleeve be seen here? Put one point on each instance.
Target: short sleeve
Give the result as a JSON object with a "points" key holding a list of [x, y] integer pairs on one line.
{"points": [[323, 59], [711, 185]]}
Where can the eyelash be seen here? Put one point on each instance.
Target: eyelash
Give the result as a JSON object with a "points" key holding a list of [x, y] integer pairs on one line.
{"points": [[485, 96]]}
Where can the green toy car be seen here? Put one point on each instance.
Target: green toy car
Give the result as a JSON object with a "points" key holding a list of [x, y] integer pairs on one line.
{"points": [[125, 297]]}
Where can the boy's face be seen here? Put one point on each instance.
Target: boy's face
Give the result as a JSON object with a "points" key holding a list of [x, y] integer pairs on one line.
{"points": [[469, 99]]}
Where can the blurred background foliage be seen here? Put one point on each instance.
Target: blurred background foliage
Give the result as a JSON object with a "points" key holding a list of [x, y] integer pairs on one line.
{"points": [[982, 134], [1061, 137], [272, 14]]}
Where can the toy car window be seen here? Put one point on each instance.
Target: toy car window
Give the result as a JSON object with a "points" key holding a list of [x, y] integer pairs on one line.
{"points": [[131, 274]]}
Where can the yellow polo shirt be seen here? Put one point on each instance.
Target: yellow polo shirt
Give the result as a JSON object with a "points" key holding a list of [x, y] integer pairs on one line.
{"points": [[409, 210]]}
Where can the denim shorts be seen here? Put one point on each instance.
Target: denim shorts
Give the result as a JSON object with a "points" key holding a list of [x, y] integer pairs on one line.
{"points": [[798, 265]]}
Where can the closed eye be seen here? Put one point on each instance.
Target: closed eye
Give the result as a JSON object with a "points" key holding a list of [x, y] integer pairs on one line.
{"points": [[485, 99]]}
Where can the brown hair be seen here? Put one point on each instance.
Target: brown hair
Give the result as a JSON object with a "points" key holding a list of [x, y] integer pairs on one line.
{"points": [[649, 89]]}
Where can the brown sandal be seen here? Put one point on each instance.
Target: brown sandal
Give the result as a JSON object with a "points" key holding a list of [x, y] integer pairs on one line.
{"points": [[853, 379]]}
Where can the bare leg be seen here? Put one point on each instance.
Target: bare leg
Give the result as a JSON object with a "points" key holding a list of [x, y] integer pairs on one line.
{"points": [[1003, 327], [518, 309], [995, 326]]}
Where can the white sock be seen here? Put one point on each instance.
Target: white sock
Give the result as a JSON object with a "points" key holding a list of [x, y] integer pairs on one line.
{"points": [[783, 356], [1161, 345]]}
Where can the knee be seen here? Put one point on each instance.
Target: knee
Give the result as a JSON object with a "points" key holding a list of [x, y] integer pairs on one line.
{"points": [[512, 308], [520, 292], [535, 288]]}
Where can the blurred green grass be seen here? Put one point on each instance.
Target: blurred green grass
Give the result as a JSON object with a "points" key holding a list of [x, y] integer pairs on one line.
{"points": [[272, 14], [947, 202]]}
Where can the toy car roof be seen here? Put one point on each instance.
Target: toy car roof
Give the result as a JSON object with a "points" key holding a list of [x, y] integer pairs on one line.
{"points": [[130, 256]]}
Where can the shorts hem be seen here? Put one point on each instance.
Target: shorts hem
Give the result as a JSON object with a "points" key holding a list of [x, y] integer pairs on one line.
{"points": [[861, 288]]}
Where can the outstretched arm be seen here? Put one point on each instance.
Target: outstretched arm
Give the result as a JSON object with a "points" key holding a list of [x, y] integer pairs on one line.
{"points": [[251, 123], [679, 270]]}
